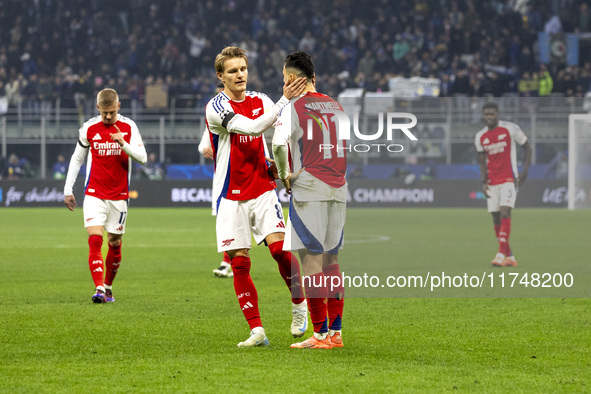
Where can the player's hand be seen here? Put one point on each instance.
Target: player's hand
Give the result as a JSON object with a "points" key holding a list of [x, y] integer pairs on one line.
{"points": [[118, 136], [208, 153], [272, 168], [294, 88], [485, 189], [521, 178], [287, 184], [70, 202]]}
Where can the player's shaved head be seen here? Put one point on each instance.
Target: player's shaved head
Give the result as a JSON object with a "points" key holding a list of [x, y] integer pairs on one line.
{"points": [[228, 53], [301, 63], [107, 97]]}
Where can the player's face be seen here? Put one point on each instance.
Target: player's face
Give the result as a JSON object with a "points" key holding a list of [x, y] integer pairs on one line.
{"points": [[109, 114], [235, 75], [491, 117]]}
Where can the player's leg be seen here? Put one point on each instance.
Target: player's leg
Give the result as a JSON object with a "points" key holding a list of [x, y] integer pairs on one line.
{"points": [[233, 236], [316, 294], [504, 233], [332, 271], [268, 225], [225, 268], [494, 207], [95, 214], [115, 226], [507, 202]]}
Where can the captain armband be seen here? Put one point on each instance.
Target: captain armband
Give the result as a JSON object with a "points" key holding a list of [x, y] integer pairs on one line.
{"points": [[226, 117]]}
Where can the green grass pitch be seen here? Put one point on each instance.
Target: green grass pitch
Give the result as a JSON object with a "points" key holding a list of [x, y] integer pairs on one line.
{"points": [[174, 327]]}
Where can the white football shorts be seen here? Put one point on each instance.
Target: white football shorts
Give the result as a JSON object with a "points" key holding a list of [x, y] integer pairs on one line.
{"points": [[238, 221], [316, 226], [111, 214], [502, 195]]}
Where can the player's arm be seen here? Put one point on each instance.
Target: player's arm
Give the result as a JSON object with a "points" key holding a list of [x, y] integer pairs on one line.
{"points": [[73, 169], [205, 145], [135, 148], [526, 164], [483, 172], [236, 123], [283, 130]]}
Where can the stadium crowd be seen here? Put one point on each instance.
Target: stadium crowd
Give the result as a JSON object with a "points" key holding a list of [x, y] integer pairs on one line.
{"points": [[72, 49]]}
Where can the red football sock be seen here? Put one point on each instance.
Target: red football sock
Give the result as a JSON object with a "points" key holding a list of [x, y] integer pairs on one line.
{"points": [[112, 263], [227, 258], [504, 233], [289, 268], [95, 260], [336, 296], [245, 291], [316, 294], [497, 230]]}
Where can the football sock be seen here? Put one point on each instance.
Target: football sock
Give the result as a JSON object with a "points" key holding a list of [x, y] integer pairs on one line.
{"points": [[227, 259], [95, 260], [245, 291], [504, 233], [289, 268], [316, 294], [112, 263], [497, 230], [336, 296]]}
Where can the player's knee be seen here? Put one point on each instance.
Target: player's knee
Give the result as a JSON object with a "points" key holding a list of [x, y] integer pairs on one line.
{"points": [[240, 267], [276, 249]]}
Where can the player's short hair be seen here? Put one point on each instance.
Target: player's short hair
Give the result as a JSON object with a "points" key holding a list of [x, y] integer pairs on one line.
{"points": [[490, 105], [107, 97], [301, 62], [228, 53]]}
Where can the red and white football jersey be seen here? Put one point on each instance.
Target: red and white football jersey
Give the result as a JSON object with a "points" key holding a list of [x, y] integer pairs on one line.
{"points": [[241, 171], [309, 126], [501, 155], [108, 168]]}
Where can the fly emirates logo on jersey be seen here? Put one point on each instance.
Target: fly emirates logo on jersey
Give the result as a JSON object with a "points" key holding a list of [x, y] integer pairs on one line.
{"points": [[495, 147], [325, 112], [106, 148]]}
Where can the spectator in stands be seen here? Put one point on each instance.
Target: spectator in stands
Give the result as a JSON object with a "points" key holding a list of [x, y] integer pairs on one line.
{"points": [[60, 168], [15, 168], [153, 169]]}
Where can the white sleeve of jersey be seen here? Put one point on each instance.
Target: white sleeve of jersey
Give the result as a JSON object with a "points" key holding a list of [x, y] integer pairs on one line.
{"points": [[74, 167], [236, 123], [205, 142], [283, 131], [517, 134], [213, 117], [135, 149], [477, 142]]}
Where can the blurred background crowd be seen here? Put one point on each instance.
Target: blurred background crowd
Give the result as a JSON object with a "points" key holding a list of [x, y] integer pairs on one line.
{"points": [[71, 49]]}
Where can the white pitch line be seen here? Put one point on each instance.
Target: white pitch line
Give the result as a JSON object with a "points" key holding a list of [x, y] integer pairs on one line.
{"points": [[377, 238]]}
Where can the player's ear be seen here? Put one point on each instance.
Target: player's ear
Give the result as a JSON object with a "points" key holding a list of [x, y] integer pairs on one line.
{"points": [[97, 107], [314, 80]]}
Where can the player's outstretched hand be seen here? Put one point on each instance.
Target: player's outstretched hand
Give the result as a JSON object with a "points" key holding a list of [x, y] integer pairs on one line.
{"points": [[294, 88], [70, 202], [118, 136], [272, 168]]}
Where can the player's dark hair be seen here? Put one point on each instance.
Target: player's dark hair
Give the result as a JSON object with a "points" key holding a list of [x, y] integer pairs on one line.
{"points": [[301, 62], [490, 105]]}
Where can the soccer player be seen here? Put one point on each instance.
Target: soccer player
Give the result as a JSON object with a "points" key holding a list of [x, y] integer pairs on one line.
{"points": [[306, 130], [497, 158], [244, 190], [112, 140], [225, 268]]}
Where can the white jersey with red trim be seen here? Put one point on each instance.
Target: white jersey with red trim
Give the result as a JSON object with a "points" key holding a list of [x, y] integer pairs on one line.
{"points": [[309, 128], [108, 168], [241, 171], [501, 153]]}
